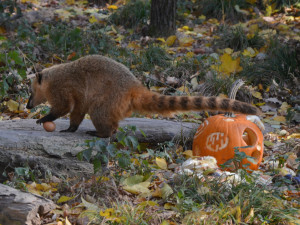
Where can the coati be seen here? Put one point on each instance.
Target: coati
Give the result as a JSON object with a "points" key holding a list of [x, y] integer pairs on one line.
{"points": [[109, 92]]}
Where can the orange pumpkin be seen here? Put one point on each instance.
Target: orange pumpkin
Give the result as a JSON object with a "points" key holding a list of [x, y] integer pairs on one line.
{"points": [[218, 135]]}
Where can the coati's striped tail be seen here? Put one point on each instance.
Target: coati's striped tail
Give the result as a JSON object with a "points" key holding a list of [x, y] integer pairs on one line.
{"points": [[144, 100]]}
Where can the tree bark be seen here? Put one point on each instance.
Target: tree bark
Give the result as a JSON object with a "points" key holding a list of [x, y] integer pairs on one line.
{"points": [[162, 18], [18, 207]]}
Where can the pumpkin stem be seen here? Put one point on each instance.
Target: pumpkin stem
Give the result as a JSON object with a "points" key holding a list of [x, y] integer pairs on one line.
{"points": [[232, 94]]}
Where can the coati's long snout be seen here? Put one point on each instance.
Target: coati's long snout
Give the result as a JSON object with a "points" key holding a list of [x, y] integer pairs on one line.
{"points": [[30, 103]]}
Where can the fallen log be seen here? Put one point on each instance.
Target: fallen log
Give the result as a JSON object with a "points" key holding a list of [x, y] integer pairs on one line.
{"points": [[23, 142], [18, 207]]}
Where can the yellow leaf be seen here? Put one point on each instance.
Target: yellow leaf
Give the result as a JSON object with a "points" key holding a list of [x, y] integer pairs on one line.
{"points": [[161, 163], [93, 19], [295, 135], [228, 65], [250, 216], [165, 222], [70, 2], [114, 7], [161, 39], [135, 185], [202, 17], [2, 31], [190, 54], [284, 107], [238, 214], [260, 103], [185, 28], [32, 188], [169, 205], [12, 105], [63, 14], [148, 203], [186, 42], [135, 161], [157, 193], [119, 38], [253, 28], [257, 94], [141, 188], [252, 2], [166, 191], [43, 187], [65, 198], [29, 1], [250, 52], [170, 40], [68, 222], [188, 154], [107, 213], [133, 45], [184, 89], [228, 51], [279, 119], [213, 21]]}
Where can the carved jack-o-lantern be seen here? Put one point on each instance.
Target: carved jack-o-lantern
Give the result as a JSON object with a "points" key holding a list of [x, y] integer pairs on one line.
{"points": [[218, 135]]}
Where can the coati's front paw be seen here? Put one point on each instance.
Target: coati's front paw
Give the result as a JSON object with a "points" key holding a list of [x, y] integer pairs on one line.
{"points": [[39, 121]]}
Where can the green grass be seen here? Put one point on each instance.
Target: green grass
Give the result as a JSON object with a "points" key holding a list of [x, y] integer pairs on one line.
{"points": [[281, 64], [221, 9], [221, 201], [236, 39], [134, 13]]}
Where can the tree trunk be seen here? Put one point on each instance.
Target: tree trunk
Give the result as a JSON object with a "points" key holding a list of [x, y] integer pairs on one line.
{"points": [[162, 18]]}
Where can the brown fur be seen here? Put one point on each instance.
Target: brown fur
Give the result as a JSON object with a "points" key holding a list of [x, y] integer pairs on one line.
{"points": [[108, 92]]}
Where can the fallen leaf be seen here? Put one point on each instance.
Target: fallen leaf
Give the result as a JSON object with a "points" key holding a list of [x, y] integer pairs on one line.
{"points": [[295, 135], [190, 54], [228, 65], [186, 42], [161, 163], [12, 105], [188, 154], [166, 191], [184, 89], [250, 52], [257, 94], [228, 51], [65, 198], [93, 19], [113, 7], [171, 40], [68, 222], [148, 203], [70, 2], [280, 119], [268, 143]]}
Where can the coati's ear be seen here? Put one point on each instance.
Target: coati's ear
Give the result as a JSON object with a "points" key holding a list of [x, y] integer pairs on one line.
{"points": [[39, 77]]}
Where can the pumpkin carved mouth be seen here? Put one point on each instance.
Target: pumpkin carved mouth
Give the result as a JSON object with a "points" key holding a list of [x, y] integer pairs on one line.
{"points": [[249, 137]]}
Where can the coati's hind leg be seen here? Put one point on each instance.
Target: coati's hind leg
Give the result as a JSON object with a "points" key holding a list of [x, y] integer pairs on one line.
{"points": [[76, 118], [104, 121]]}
